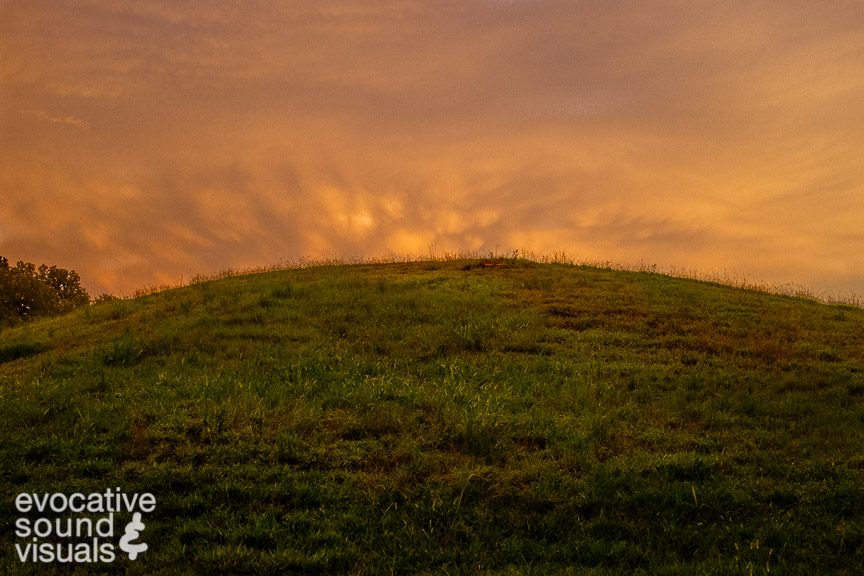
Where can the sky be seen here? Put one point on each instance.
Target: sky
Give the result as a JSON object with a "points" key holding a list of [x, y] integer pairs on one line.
{"points": [[142, 143]]}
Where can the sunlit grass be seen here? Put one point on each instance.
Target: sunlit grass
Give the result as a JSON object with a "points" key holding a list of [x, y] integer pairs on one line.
{"points": [[448, 416]]}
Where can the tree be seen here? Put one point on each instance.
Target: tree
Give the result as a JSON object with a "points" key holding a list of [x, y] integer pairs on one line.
{"points": [[66, 287], [27, 292]]}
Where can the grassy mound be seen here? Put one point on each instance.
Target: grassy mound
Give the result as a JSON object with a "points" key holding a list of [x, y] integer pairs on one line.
{"points": [[499, 417]]}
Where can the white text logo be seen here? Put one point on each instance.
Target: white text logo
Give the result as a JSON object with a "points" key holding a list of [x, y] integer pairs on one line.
{"points": [[79, 528]]}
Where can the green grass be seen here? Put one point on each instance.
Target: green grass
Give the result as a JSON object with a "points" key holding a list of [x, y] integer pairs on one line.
{"points": [[450, 418]]}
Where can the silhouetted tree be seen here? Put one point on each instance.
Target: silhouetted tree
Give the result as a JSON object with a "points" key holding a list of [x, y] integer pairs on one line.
{"points": [[66, 287], [27, 291]]}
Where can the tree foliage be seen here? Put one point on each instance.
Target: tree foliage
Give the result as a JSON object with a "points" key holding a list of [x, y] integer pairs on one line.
{"points": [[27, 291]]}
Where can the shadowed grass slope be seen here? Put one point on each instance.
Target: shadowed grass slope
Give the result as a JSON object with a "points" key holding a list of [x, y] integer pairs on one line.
{"points": [[450, 417]]}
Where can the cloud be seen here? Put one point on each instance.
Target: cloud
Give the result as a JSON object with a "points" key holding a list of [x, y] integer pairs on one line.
{"points": [[702, 136], [65, 119]]}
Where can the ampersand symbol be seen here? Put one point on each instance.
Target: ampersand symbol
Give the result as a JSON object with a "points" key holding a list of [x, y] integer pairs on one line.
{"points": [[133, 529]]}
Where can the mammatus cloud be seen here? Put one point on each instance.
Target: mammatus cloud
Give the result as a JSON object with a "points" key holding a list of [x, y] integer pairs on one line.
{"points": [[706, 136]]}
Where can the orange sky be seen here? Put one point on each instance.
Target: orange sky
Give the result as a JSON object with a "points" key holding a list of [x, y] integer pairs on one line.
{"points": [[146, 141]]}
